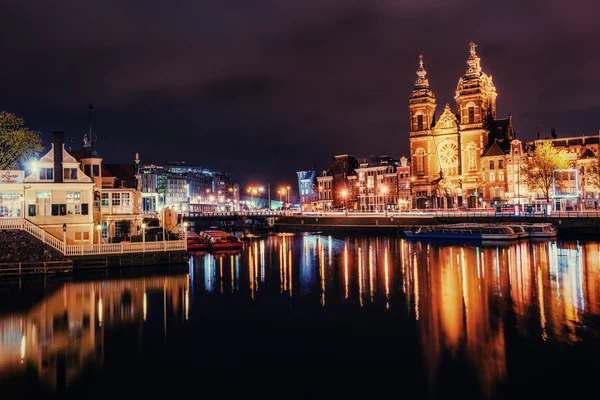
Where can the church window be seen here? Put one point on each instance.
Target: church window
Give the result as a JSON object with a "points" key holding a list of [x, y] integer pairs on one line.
{"points": [[471, 114], [472, 157], [420, 122], [420, 158]]}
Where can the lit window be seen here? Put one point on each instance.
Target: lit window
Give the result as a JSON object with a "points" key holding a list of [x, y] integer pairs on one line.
{"points": [[105, 200], [73, 203], [116, 199], [126, 199]]}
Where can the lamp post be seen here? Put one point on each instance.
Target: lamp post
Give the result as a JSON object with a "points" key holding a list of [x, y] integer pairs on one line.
{"points": [[65, 236], [384, 190], [144, 233], [288, 194], [344, 195], [413, 197], [460, 188]]}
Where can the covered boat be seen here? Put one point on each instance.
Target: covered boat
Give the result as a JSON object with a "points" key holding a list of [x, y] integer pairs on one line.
{"points": [[221, 240], [540, 230], [195, 242], [463, 232]]}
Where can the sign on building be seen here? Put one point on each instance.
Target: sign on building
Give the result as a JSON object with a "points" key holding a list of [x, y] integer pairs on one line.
{"points": [[11, 176]]}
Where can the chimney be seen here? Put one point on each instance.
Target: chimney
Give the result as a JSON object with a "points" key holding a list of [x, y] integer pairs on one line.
{"points": [[58, 156], [538, 132], [553, 133]]}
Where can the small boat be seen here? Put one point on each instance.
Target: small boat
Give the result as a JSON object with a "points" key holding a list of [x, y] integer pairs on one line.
{"points": [[540, 230], [221, 240], [463, 232], [195, 242]]}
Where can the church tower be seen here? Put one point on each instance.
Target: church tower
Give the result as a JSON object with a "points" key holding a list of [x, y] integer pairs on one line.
{"points": [[421, 107], [421, 103], [475, 94]]}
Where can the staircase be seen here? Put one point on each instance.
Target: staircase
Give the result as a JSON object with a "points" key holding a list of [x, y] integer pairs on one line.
{"points": [[34, 230]]}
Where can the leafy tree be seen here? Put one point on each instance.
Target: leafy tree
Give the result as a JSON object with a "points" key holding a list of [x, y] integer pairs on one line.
{"points": [[125, 227], [17, 142], [539, 166]]}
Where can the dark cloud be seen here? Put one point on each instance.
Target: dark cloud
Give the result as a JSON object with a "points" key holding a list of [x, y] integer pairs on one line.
{"points": [[264, 88]]}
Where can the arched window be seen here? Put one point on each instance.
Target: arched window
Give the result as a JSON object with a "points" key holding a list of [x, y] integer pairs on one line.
{"points": [[420, 161], [419, 120], [471, 112]]}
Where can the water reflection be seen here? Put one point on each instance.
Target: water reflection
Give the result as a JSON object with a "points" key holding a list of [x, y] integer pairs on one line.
{"points": [[462, 301], [65, 332]]}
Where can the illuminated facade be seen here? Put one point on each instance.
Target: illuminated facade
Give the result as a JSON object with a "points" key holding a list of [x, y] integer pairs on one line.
{"points": [[448, 154]]}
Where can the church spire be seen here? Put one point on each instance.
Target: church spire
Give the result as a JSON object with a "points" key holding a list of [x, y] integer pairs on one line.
{"points": [[421, 102], [422, 82], [474, 61]]}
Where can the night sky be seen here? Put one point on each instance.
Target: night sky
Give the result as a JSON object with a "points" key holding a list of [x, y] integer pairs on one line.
{"points": [[264, 88]]}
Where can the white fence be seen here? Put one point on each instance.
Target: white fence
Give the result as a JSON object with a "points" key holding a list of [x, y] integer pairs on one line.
{"points": [[87, 249]]}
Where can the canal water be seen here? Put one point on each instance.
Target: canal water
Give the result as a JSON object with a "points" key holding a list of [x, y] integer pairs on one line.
{"points": [[313, 315]]}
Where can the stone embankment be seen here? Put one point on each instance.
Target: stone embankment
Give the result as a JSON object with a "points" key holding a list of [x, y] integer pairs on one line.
{"points": [[18, 246]]}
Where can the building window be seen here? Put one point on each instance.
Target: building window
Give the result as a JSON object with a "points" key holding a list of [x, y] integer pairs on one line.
{"points": [[70, 173], [500, 164], [96, 169], [126, 199], [87, 169], [73, 203], [420, 122], [491, 164], [46, 174], [82, 236], [501, 176], [420, 157], [116, 199], [492, 177], [43, 203], [105, 200], [471, 114]]}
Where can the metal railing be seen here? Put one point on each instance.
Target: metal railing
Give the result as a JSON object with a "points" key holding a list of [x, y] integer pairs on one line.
{"points": [[88, 249]]}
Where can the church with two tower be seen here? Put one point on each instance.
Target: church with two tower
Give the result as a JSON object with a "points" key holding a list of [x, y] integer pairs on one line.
{"points": [[459, 159]]}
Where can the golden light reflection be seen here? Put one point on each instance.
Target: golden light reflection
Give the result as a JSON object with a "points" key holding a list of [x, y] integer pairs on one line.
{"points": [[145, 306], [346, 270], [360, 277], [371, 273], [322, 271], [386, 268], [72, 321]]}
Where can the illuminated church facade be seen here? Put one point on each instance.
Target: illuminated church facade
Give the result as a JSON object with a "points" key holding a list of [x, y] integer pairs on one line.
{"points": [[462, 157]]}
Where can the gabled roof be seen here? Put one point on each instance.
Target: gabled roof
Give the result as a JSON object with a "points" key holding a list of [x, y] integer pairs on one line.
{"points": [[587, 154], [123, 172], [494, 150]]}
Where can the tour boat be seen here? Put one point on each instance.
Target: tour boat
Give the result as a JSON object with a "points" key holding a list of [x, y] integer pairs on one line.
{"points": [[195, 242], [463, 232], [519, 230], [540, 230], [221, 240]]}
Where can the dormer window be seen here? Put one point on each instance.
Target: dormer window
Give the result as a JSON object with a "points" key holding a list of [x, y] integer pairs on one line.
{"points": [[471, 114], [47, 174], [70, 173]]}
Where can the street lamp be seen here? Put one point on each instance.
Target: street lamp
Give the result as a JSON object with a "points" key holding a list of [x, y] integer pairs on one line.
{"points": [[384, 191], [65, 236], [344, 195]]}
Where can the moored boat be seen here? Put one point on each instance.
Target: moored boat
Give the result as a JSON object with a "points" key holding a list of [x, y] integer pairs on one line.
{"points": [[463, 232], [540, 229], [221, 240], [195, 242]]}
